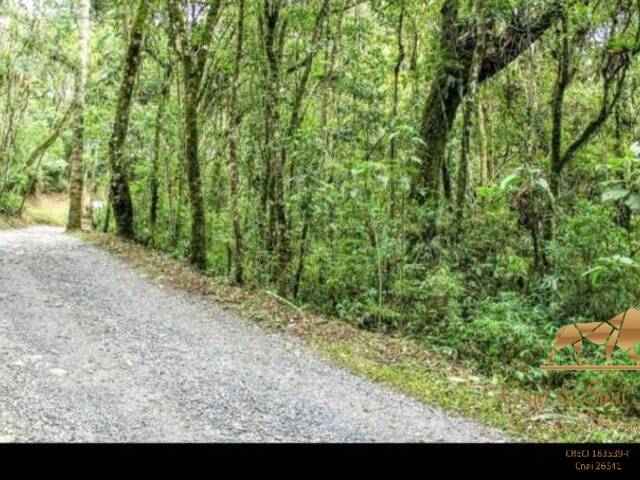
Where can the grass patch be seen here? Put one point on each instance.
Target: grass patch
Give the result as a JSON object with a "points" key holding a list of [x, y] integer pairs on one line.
{"points": [[10, 222], [47, 209], [398, 362]]}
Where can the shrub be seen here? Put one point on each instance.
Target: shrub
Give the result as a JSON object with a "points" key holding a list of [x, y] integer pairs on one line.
{"points": [[428, 297], [54, 176], [506, 336], [10, 204], [596, 278]]}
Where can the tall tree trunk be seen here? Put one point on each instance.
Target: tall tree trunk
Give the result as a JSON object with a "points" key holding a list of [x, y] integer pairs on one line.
{"points": [[193, 41], [623, 212], [562, 82], [329, 66], [74, 222], [120, 194], [446, 176], [469, 107], [238, 252], [486, 166], [155, 163], [277, 235], [393, 147], [198, 245], [439, 112], [273, 28], [107, 215]]}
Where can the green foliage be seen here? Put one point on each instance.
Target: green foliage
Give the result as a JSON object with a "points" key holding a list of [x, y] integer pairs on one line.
{"points": [[428, 298], [10, 204], [596, 279], [54, 176], [624, 183], [504, 335]]}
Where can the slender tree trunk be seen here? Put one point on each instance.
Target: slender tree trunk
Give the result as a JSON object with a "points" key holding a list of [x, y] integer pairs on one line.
{"points": [[277, 236], [155, 164], [193, 50], [446, 177], [107, 215], [623, 212], [177, 223], [273, 30], [198, 247], [562, 82], [469, 107], [306, 221], [486, 166], [393, 147], [238, 251], [74, 221], [314, 169], [120, 194]]}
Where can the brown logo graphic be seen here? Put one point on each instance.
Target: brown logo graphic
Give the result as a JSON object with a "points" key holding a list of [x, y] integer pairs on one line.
{"points": [[622, 331]]}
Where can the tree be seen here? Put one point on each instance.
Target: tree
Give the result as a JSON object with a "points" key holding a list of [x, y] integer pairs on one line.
{"points": [[469, 107], [155, 165], [450, 84], [76, 160], [120, 194], [234, 135], [616, 60], [273, 28], [192, 46]]}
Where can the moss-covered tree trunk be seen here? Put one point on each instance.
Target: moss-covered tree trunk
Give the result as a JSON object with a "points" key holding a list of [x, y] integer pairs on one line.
{"points": [[277, 134], [155, 162], [277, 238], [192, 46], [468, 110], [198, 246], [562, 82], [439, 112], [74, 222], [238, 252], [120, 194]]}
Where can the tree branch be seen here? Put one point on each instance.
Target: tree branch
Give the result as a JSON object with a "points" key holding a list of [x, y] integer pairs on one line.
{"points": [[202, 47], [517, 37], [53, 136]]}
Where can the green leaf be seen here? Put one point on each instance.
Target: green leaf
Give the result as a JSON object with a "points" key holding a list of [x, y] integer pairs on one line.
{"points": [[623, 260], [633, 202], [384, 180], [616, 162], [514, 178], [614, 194], [542, 183], [591, 271], [621, 42]]}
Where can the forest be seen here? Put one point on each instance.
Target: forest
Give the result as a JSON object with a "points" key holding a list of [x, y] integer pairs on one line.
{"points": [[463, 173]]}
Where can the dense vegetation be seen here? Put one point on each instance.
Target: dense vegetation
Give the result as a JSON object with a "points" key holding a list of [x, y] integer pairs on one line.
{"points": [[464, 172]]}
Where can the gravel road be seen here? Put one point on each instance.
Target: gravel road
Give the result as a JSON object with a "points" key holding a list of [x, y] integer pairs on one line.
{"points": [[90, 351]]}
